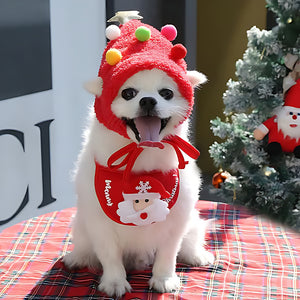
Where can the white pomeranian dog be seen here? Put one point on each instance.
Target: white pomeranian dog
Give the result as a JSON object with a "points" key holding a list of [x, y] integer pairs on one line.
{"points": [[138, 135]]}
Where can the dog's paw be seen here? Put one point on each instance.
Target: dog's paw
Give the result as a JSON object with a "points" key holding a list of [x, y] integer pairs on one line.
{"points": [[70, 260], [196, 258], [203, 258], [165, 284], [114, 287], [74, 260]]}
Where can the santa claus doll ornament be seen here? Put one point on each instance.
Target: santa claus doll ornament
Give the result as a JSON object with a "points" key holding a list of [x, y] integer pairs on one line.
{"points": [[284, 127]]}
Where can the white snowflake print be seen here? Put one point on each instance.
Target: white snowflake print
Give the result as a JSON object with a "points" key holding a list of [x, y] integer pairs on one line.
{"points": [[143, 187]]}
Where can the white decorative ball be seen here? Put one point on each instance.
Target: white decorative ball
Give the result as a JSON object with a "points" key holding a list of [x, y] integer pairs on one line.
{"points": [[112, 32]]}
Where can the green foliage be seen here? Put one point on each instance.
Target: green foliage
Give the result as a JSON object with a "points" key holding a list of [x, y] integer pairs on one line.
{"points": [[270, 186], [288, 13]]}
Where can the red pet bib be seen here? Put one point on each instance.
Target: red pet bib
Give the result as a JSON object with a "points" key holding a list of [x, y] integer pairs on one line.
{"points": [[109, 185], [134, 199]]}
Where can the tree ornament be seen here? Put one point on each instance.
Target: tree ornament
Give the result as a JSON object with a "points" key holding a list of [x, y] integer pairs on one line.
{"points": [[289, 29], [268, 171], [292, 62], [219, 178], [283, 129]]}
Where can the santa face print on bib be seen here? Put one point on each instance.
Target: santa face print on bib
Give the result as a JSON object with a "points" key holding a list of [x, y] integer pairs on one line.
{"points": [[145, 201], [141, 199]]}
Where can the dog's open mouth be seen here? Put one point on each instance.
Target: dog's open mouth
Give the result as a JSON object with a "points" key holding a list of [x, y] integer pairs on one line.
{"points": [[147, 128]]}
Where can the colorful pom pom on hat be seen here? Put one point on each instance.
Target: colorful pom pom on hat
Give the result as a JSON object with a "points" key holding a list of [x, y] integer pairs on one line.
{"points": [[133, 48]]}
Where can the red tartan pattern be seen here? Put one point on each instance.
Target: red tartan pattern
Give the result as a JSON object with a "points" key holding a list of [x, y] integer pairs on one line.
{"points": [[255, 259]]}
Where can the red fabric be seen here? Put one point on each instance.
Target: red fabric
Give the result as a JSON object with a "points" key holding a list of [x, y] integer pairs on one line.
{"points": [[255, 259], [130, 153], [137, 56], [276, 135], [109, 186]]}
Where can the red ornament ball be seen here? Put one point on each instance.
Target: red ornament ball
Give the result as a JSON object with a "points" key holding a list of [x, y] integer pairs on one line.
{"points": [[219, 178]]}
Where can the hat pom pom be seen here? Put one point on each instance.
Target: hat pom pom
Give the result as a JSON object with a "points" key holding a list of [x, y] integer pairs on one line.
{"points": [[112, 32], [143, 33], [178, 51], [169, 32], [113, 56]]}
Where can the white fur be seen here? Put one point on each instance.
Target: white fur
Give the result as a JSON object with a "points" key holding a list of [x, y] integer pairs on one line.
{"points": [[196, 78], [94, 86], [117, 247], [148, 83], [285, 121]]}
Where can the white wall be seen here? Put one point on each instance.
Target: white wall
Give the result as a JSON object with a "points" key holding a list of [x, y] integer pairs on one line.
{"points": [[77, 42]]}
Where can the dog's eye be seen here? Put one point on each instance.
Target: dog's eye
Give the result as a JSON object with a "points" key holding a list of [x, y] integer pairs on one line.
{"points": [[129, 93], [166, 94]]}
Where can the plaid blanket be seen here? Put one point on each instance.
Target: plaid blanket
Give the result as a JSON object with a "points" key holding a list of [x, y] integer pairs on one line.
{"points": [[255, 259]]}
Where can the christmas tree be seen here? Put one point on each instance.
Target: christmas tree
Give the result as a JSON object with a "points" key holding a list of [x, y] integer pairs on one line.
{"points": [[260, 176]]}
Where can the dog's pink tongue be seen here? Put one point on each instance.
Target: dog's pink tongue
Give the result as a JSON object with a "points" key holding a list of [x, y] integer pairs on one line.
{"points": [[148, 128]]}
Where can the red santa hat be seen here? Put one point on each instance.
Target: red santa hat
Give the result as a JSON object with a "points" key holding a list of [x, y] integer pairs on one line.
{"points": [[134, 47], [292, 97], [144, 187]]}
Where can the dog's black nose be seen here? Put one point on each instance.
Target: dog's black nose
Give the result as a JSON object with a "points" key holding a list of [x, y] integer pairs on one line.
{"points": [[147, 104]]}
